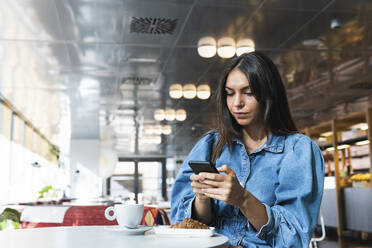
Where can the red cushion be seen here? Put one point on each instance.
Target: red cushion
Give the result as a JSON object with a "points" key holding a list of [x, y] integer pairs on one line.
{"points": [[78, 216], [95, 216]]}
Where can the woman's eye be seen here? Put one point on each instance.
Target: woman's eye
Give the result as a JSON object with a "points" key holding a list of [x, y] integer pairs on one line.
{"points": [[249, 93], [229, 93]]}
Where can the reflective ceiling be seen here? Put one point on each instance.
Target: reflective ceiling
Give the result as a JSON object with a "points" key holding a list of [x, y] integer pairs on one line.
{"points": [[96, 70]]}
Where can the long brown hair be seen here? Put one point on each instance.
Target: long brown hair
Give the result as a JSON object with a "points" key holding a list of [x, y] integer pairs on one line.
{"points": [[267, 87]]}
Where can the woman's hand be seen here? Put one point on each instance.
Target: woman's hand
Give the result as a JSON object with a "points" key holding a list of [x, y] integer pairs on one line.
{"points": [[224, 187], [197, 186]]}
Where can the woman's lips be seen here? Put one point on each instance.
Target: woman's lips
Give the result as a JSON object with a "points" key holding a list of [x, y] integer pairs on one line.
{"points": [[241, 115]]}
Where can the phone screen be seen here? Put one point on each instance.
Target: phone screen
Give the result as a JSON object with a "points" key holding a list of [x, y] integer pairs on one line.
{"points": [[202, 166]]}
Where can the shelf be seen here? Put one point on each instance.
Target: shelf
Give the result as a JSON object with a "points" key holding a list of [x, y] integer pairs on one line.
{"points": [[345, 142]]}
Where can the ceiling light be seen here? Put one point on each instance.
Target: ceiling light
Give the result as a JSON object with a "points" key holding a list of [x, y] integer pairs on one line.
{"points": [[170, 114], [326, 134], [244, 46], [207, 47], [158, 129], [181, 115], [226, 47], [189, 91], [311, 42], [142, 60], [175, 91], [166, 130], [203, 91], [322, 139], [362, 143], [361, 126], [340, 147], [159, 114]]}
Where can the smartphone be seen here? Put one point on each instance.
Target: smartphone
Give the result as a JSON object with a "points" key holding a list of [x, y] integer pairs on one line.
{"points": [[202, 166]]}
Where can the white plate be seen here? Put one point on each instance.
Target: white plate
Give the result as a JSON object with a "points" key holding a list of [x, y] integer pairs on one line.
{"points": [[183, 232], [129, 231]]}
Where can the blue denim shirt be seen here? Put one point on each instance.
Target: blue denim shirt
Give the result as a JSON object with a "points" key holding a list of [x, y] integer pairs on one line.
{"points": [[286, 174]]}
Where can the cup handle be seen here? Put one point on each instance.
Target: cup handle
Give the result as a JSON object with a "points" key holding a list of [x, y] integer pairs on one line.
{"points": [[107, 213]]}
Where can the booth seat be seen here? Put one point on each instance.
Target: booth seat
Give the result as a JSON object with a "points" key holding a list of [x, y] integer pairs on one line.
{"points": [[82, 216]]}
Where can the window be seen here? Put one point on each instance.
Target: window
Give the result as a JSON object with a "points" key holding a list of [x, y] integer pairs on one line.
{"points": [[29, 135], [122, 183], [18, 129], [6, 121]]}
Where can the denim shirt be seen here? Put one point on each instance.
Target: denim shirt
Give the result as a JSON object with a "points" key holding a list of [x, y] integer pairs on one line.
{"points": [[286, 174]]}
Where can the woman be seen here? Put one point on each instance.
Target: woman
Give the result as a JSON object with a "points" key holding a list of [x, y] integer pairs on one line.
{"points": [[270, 185]]}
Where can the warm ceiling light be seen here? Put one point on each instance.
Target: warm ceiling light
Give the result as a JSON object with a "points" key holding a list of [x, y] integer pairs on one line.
{"points": [[226, 47], [244, 46], [159, 114], [189, 91], [340, 147], [158, 129], [166, 130], [181, 115], [203, 91], [361, 126], [175, 91], [207, 47], [362, 143], [326, 134], [170, 114]]}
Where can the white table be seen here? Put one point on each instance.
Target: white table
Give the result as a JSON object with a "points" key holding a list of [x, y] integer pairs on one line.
{"points": [[97, 237]]}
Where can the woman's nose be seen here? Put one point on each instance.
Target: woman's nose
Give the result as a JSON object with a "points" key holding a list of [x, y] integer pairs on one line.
{"points": [[238, 101]]}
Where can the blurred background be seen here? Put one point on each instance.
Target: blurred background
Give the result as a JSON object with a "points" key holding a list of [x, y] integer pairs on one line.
{"points": [[104, 99]]}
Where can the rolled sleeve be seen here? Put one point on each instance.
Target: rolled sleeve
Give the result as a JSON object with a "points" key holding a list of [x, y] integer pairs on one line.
{"points": [[267, 230], [188, 207]]}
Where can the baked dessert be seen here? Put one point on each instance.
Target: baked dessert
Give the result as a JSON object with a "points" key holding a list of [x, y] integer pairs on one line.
{"points": [[190, 224]]}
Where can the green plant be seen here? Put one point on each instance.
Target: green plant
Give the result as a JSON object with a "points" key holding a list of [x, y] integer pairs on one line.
{"points": [[54, 151], [49, 192], [9, 218]]}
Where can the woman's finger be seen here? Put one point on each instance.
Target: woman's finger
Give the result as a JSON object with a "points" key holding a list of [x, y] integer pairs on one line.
{"points": [[196, 184], [215, 191], [227, 170], [213, 183], [212, 176], [195, 177]]}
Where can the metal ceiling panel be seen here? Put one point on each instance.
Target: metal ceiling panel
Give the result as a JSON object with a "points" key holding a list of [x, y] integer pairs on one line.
{"points": [[29, 20], [101, 64], [214, 21], [298, 5], [91, 21]]}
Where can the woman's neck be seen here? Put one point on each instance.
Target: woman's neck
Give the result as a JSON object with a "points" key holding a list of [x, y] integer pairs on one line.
{"points": [[254, 137]]}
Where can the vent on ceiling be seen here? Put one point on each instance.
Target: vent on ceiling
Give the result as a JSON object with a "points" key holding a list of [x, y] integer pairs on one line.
{"points": [[136, 81], [361, 86], [146, 25]]}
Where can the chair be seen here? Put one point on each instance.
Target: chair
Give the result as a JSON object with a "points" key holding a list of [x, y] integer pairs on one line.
{"points": [[314, 240]]}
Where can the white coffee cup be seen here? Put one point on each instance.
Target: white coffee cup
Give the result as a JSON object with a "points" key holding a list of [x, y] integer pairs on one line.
{"points": [[127, 215]]}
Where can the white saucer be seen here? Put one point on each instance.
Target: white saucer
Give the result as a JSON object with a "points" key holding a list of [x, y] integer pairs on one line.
{"points": [[128, 231]]}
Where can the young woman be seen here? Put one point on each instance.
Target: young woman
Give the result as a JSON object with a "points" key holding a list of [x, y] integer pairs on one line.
{"points": [[270, 185]]}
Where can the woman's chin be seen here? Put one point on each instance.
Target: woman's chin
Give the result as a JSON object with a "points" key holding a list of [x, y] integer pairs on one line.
{"points": [[243, 122]]}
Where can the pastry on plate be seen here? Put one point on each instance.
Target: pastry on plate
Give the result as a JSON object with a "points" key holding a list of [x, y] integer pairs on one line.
{"points": [[189, 223]]}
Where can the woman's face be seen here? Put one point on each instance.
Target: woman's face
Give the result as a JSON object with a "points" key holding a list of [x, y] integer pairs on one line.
{"points": [[239, 98]]}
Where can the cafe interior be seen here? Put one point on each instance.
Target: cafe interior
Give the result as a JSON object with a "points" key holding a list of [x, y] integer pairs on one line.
{"points": [[101, 101]]}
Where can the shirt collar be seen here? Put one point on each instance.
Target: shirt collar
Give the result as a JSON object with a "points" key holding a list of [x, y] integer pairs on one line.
{"points": [[274, 144]]}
